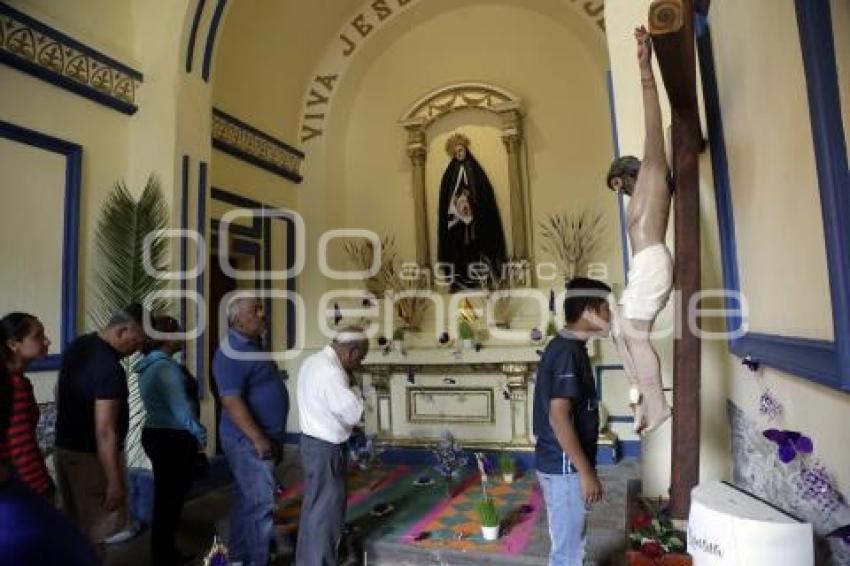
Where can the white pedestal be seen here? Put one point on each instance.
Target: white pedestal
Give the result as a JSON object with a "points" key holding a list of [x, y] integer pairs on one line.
{"points": [[729, 527]]}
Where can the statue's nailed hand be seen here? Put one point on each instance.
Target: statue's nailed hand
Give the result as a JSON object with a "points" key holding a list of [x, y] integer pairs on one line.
{"points": [[644, 48]]}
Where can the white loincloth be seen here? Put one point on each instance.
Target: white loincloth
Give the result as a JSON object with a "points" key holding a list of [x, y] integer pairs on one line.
{"points": [[650, 281]]}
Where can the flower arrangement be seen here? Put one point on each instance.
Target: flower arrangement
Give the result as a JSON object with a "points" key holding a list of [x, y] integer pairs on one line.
{"points": [[449, 455], [362, 451], [395, 279], [512, 274], [653, 533]]}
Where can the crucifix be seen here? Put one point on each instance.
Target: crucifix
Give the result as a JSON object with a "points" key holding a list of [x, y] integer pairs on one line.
{"points": [[671, 25]]}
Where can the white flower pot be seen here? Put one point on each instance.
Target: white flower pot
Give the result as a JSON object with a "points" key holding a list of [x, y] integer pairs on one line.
{"points": [[398, 345], [490, 533], [468, 344], [508, 478]]}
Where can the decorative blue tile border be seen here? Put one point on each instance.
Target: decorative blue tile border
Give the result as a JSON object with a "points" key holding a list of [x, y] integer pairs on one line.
{"points": [[245, 142], [70, 237], [48, 54], [211, 35], [824, 362]]}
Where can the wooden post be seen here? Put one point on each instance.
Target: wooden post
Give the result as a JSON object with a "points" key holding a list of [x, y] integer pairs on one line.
{"points": [[671, 27]]}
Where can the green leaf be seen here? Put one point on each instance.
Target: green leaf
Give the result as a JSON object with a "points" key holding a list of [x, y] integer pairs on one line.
{"points": [[120, 277]]}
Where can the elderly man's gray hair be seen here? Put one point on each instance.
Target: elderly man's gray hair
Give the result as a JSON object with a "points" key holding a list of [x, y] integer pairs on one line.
{"points": [[234, 307], [351, 336], [134, 312]]}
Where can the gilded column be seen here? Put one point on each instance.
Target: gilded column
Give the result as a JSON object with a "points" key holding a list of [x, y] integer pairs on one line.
{"points": [[417, 150], [517, 382], [512, 138], [380, 381]]}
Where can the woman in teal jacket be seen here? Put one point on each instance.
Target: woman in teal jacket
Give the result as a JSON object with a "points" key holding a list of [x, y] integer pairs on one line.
{"points": [[171, 437]]}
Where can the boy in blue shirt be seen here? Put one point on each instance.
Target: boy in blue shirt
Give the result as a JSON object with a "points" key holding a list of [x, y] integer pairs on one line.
{"points": [[566, 421]]}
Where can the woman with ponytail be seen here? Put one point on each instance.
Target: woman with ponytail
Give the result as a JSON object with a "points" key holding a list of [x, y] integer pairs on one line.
{"points": [[22, 341]]}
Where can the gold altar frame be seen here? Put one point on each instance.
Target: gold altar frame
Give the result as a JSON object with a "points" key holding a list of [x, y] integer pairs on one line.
{"points": [[438, 103]]}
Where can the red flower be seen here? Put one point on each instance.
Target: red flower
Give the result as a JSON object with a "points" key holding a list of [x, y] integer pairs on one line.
{"points": [[652, 549], [641, 521]]}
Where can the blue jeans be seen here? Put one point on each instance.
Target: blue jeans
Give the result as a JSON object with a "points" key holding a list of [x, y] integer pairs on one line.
{"points": [[251, 513], [566, 510]]}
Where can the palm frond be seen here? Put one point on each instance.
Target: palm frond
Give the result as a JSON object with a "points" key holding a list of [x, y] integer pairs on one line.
{"points": [[120, 276]]}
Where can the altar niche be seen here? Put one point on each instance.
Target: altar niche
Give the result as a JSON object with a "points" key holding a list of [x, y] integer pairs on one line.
{"points": [[424, 113]]}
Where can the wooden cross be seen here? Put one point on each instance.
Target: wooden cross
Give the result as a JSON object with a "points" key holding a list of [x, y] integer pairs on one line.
{"points": [[671, 24]]}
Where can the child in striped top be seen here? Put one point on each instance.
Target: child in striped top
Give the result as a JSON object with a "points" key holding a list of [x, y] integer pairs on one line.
{"points": [[22, 341]]}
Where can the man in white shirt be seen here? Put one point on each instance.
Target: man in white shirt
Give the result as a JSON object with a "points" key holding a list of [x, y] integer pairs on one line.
{"points": [[329, 409]]}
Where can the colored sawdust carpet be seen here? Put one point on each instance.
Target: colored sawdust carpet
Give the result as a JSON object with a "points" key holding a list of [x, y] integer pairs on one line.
{"points": [[393, 505], [453, 523], [367, 489]]}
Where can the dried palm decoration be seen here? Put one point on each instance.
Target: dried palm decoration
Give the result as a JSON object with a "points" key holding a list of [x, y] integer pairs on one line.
{"points": [[570, 238]]}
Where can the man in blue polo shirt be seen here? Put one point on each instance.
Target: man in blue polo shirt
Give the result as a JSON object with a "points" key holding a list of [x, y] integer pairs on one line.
{"points": [[253, 423], [566, 421]]}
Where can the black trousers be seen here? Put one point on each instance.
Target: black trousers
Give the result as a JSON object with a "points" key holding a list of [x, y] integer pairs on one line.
{"points": [[323, 508], [172, 453]]}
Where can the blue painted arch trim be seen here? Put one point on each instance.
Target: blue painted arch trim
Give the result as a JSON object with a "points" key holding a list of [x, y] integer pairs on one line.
{"points": [[193, 34], [824, 362], [211, 36], [70, 237]]}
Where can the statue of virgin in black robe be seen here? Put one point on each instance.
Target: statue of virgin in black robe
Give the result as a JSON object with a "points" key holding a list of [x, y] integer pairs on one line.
{"points": [[470, 230]]}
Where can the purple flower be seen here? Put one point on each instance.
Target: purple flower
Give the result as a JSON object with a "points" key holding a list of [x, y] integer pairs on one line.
{"points": [[815, 485], [769, 405], [444, 338], [789, 443], [382, 340], [536, 335]]}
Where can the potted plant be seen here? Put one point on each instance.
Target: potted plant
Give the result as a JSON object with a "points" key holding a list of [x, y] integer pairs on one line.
{"points": [[398, 340], [466, 334], [489, 517], [655, 541], [508, 466]]}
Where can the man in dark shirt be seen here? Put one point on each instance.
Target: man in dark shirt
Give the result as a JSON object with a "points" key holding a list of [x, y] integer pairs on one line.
{"points": [[566, 421], [91, 425]]}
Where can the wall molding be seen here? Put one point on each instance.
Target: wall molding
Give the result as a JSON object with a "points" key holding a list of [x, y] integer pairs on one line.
{"points": [[260, 231], [209, 47], [824, 362], [70, 235], [48, 54], [193, 34], [252, 145]]}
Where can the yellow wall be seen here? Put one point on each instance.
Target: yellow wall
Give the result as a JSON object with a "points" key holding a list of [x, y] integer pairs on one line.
{"points": [[781, 252], [761, 199]]}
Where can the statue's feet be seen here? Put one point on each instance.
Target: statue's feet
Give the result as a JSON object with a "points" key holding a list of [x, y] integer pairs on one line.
{"points": [[652, 422], [638, 410]]}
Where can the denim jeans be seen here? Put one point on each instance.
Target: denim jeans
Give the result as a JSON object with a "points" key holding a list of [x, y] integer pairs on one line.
{"points": [[566, 510], [251, 513]]}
